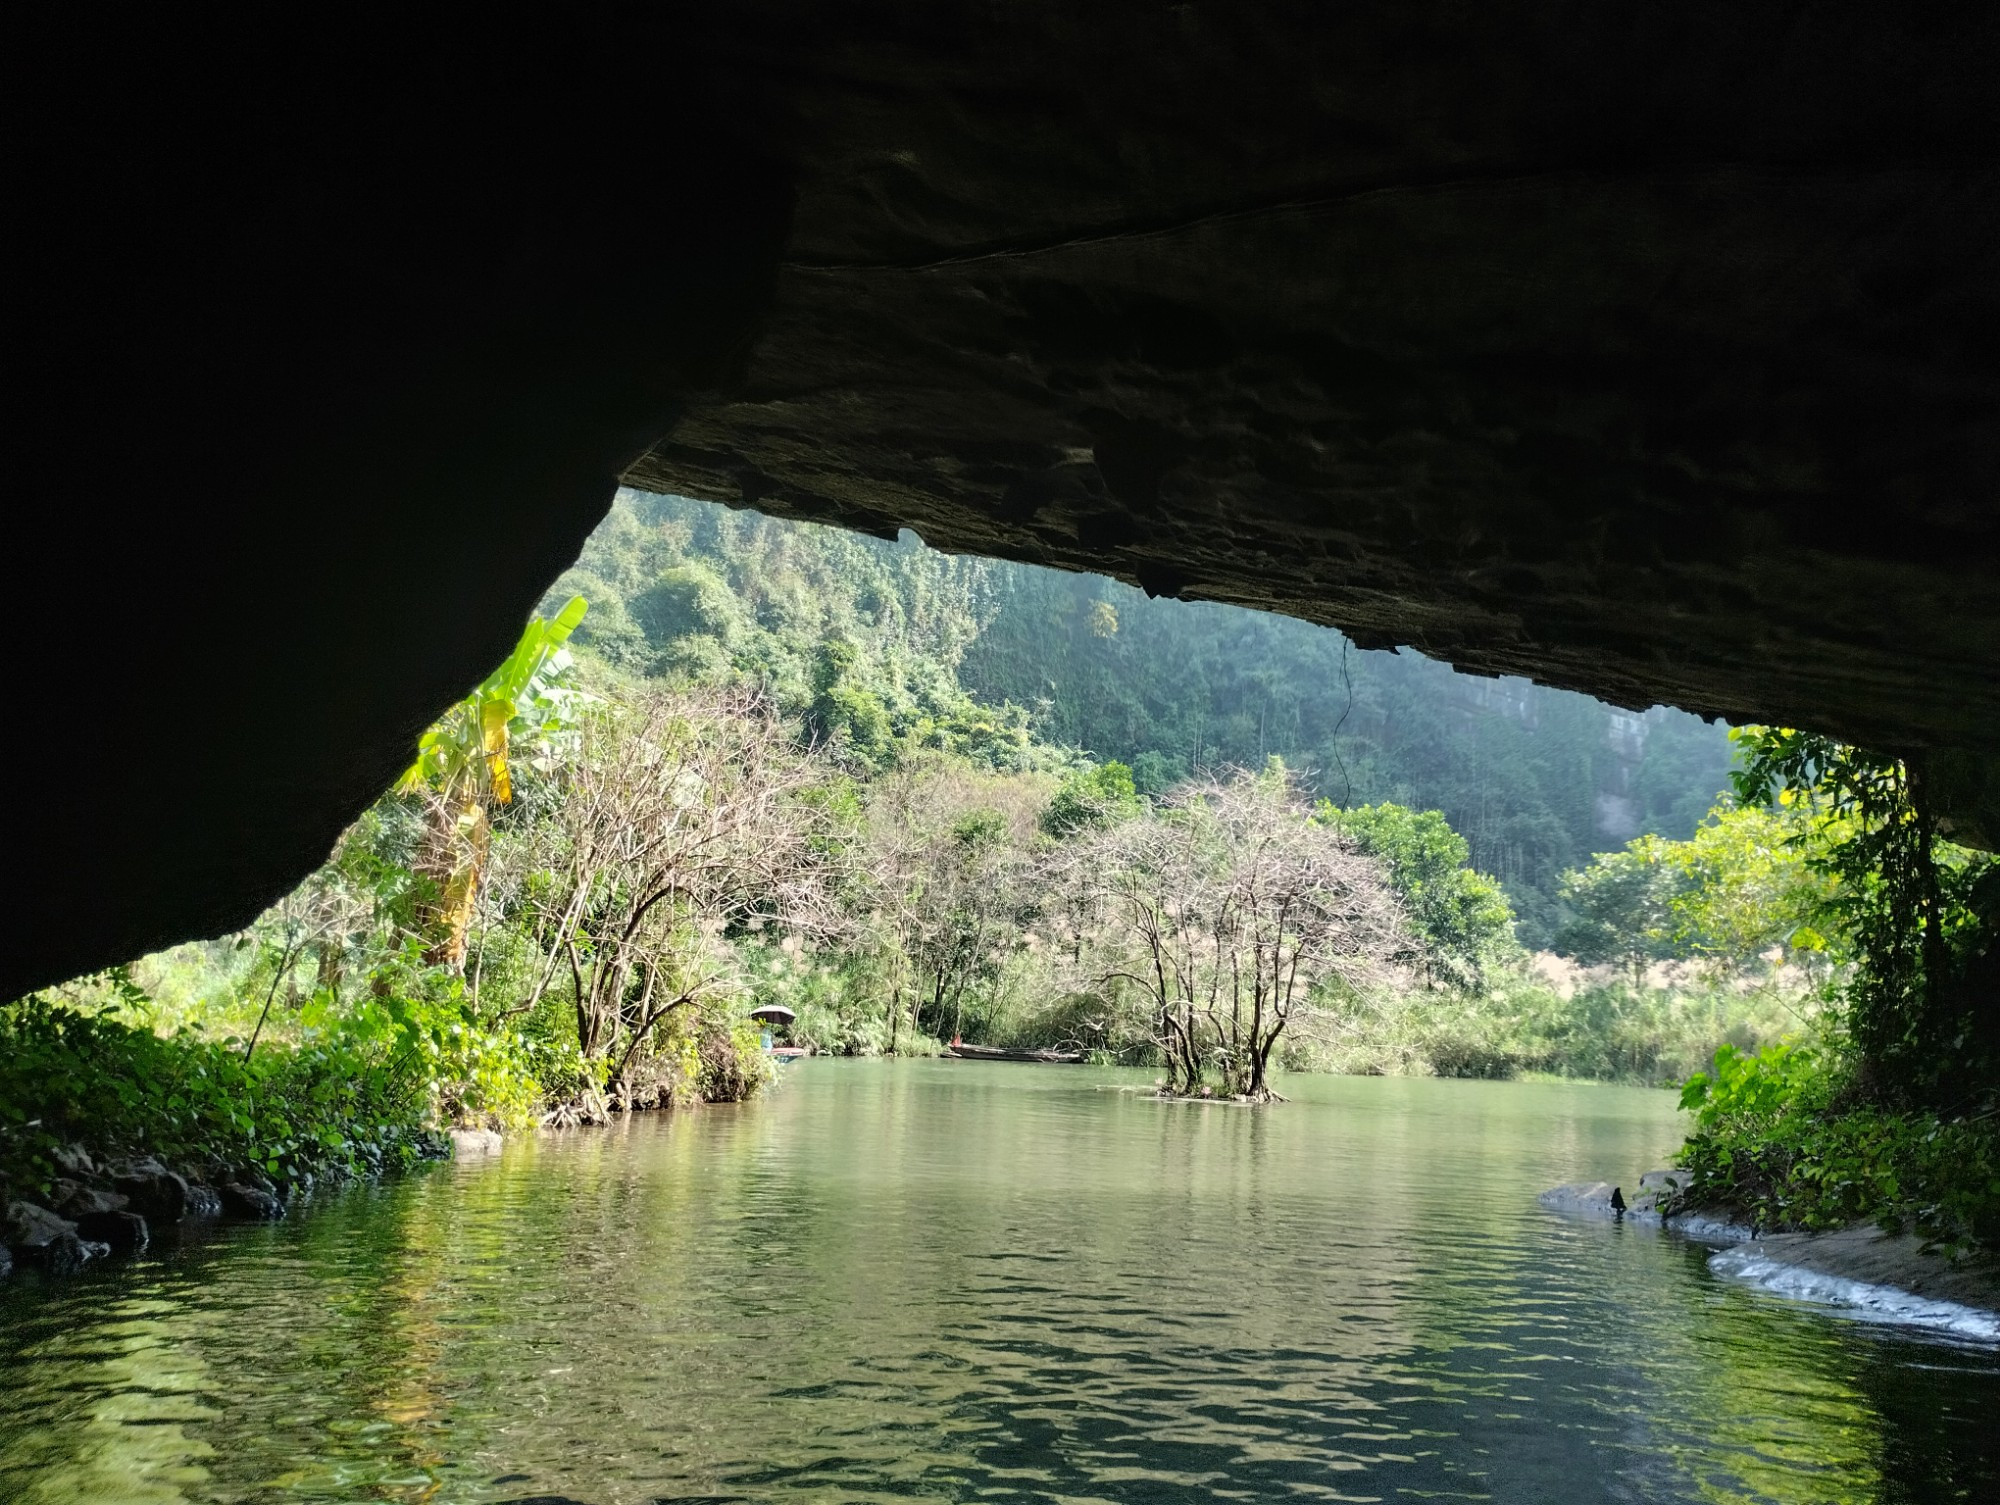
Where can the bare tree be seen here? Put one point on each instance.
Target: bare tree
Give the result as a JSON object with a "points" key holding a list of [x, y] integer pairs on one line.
{"points": [[944, 853], [1227, 910], [320, 914], [681, 819]]}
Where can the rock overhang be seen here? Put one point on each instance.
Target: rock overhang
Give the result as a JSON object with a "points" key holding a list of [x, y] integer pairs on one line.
{"points": [[1649, 353], [1640, 355]]}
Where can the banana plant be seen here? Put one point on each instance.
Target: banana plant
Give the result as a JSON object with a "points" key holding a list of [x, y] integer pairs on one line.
{"points": [[462, 766]]}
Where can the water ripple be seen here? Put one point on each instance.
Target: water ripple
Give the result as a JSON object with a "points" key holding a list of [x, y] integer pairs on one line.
{"points": [[934, 1281]]}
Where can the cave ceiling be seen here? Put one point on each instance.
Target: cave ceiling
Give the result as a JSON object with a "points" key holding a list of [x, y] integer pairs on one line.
{"points": [[1648, 350]]}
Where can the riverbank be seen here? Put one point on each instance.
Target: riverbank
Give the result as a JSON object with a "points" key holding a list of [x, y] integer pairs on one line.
{"points": [[98, 1206], [111, 1132], [1893, 1277]]}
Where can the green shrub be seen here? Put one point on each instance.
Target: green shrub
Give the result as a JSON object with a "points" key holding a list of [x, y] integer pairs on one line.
{"points": [[1779, 1139], [1082, 1020], [1089, 798], [1460, 917], [732, 1064], [688, 600], [1467, 1041], [350, 1090], [1627, 1032], [342, 1104]]}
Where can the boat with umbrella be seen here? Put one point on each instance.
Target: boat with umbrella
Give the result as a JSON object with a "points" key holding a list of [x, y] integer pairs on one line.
{"points": [[776, 1018]]}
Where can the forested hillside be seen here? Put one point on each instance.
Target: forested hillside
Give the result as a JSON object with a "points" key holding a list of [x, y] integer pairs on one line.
{"points": [[973, 654]]}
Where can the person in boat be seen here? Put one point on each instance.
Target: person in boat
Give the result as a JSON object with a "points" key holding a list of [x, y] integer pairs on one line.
{"points": [[773, 1017]]}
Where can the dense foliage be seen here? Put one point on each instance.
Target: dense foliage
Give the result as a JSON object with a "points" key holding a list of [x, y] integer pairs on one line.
{"points": [[860, 639], [355, 1090], [675, 821], [966, 655], [1779, 1140], [1458, 914], [763, 780], [1742, 887], [1917, 915], [1888, 1107]]}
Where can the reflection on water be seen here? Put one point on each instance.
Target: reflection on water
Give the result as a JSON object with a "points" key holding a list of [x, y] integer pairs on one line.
{"points": [[957, 1281]]}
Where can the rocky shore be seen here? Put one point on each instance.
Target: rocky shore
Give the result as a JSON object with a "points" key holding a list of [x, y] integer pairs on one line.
{"points": [[1651, 1205], [1896, 1277], [1890, 1276], [99, 1206]]}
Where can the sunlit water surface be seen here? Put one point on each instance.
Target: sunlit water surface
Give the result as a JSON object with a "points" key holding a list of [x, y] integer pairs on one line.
{"points": [[953, 1281]]}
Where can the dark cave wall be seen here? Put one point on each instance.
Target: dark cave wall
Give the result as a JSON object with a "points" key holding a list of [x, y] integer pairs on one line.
{"points": [[328, 350], [1649, 351]]}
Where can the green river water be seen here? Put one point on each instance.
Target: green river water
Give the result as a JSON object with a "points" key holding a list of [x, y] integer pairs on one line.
{"points": [[957, 1281]]}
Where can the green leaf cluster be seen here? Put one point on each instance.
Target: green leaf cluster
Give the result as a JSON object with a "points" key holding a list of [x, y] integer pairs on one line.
{"points": [[1780, 1138], [466, 753], [1462, 915], [1915, 916], [1091, 797], [1743, 884]]}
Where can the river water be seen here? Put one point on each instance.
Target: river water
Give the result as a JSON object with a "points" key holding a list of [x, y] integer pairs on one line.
{"points": [[957, 1281]]}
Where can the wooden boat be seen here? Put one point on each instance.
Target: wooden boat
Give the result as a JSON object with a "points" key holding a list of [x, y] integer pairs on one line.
{"points": [[785, 1053], [993, 1053]]}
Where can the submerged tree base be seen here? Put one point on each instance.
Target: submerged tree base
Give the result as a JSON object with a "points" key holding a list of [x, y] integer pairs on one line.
{"points": [[1261, 1097]]}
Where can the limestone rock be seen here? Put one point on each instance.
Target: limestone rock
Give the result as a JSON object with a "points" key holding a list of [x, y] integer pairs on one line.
{"points": [[1867, 1255], [64, 1254], [47, 1242], [1582, 1196], [203, 1201], [253, 1176], [255, 1202], [474, 1144], [124, 1231], [74, 1159], [76, 1200], [152, 1191], [1659, 1190], [1638, 349], [1711, 1227], [28, 1225]]}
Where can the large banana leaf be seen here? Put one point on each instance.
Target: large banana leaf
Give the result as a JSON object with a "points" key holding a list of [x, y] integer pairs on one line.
{"points": [[466, 753]]}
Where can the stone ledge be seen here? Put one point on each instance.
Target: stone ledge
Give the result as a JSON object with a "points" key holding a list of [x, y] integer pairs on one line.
{"points": [[1890, 1276], [1595, 1199], [1862, 1270], [475, 1144]]}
